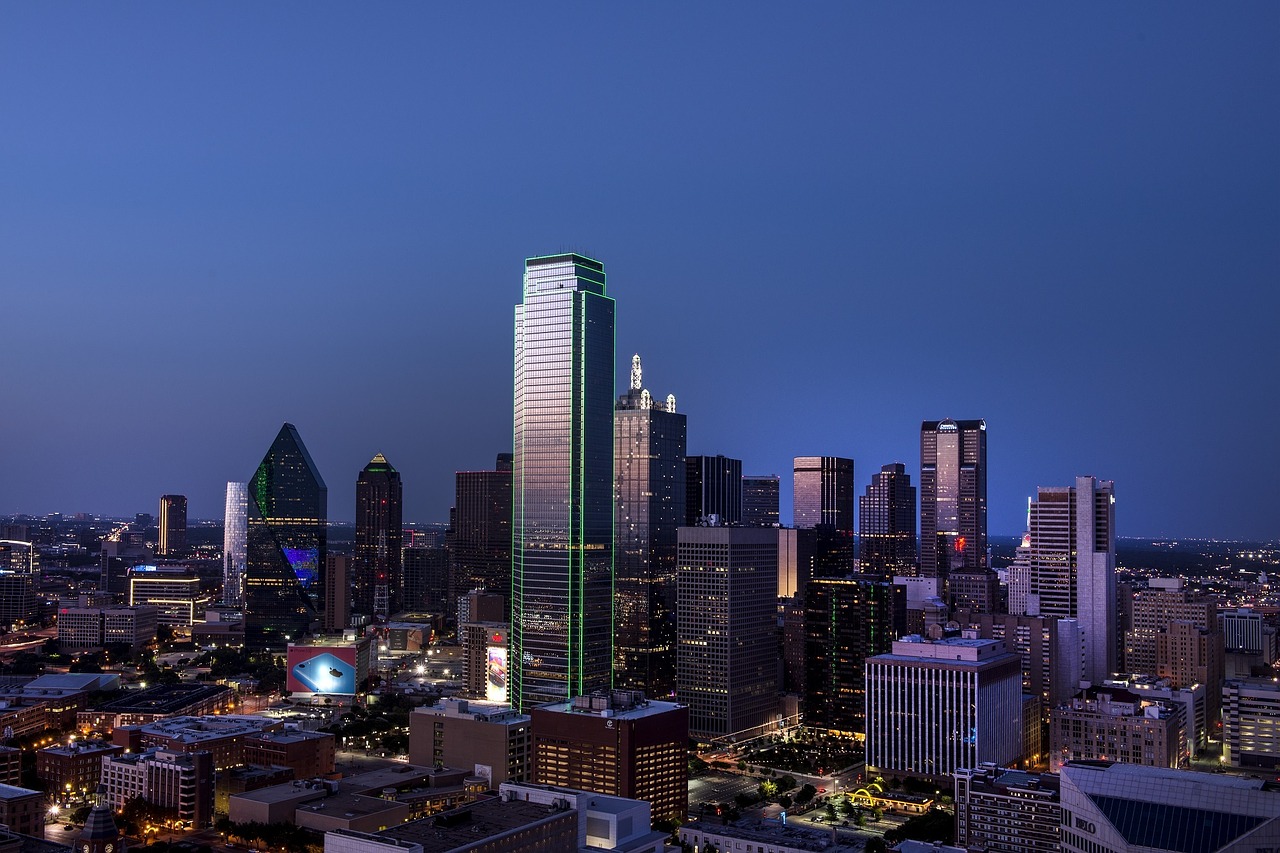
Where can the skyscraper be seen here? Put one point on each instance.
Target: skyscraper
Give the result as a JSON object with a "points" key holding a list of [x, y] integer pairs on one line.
{"points": [[823, 501], [562, 471], [713, 487], [1066, 567], [234, 540], [287, 544], [649, 485], [379, 578], [760, 496], [823, 492], [953, 496], [887, 524], [173, 526], [479, 536], [727, 614]]}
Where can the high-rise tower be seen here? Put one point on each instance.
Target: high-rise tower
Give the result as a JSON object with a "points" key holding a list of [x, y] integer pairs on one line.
{"points": [[287, 544], [562, 474], [1066, 567], [713, 488], [953, 496], [649, 487], [760, 493], [479, 536], [173, 526], [887, 524], [234, 538], [823, 501], [379, 579]]}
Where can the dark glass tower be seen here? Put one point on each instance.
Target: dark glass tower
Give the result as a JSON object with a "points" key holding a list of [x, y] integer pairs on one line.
{"points": [[562, 474], [173, 526], [846, 621], [479, 535], [379, 575], [823, 501], [887, 524], [953, 496], [713, 487], [288, 509], [760, 497], [649, 487]]}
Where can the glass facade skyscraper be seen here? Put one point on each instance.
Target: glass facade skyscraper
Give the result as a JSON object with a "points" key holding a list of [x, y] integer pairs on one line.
{"points": [[823, 501], [173, 526], [562, 476], [887, 524], [713, 488], [760, 498], [379, 576], [234, 540], [287, 544], [649, 486], [953, 496]]}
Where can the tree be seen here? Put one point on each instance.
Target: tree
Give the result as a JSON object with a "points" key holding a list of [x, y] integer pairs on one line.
{"points": [[933, 825], [785, 801], [767, 790], [876, 844], [786, 783], [805, 794]]}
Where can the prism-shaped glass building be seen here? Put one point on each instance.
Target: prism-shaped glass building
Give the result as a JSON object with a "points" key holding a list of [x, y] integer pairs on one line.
{"points": [[286, 549]]}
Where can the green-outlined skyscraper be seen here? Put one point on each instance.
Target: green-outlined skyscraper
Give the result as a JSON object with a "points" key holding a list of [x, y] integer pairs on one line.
{"points": [[287, 544], [562, 483]]}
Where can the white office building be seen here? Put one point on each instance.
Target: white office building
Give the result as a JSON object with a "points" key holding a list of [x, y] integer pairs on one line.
{"points": [[934, 707]]}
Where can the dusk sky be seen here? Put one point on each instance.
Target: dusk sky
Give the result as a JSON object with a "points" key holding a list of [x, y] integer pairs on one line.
{"points": [[822, 224]]}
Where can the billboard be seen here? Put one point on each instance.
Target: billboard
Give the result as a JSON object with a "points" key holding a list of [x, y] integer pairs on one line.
{"points": [[321, 669], [495, 684]]}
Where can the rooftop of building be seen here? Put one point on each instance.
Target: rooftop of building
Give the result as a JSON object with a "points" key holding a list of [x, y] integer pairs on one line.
{"points": [[75, 681], [13, 792], [476, 709], [80, 747], [1137, 774], [773, 832], [343, 804], [618, 704], [1262, 685], [989, 776], [164, 699], [154, 754], [471, 823], [207, 727]]}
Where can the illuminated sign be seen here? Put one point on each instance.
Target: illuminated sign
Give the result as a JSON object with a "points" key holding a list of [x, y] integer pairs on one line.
{"points": [[495, 685], [305, 563], [321, 669]]}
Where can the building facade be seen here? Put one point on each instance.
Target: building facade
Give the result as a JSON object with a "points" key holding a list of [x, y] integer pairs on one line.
{"points": [[846, 622], [887, 524], [649, 494], [1112, 724], [727, 660], [1002, 810], [182, 782], [953, 496], [823, 498], [934, 707], [487, 738], [379, 576], [713, 490], [479, 536], [761, 494], [562, 468], [616, 743], [1066, 567], [173, 526], [287, 544], [235, 539]]}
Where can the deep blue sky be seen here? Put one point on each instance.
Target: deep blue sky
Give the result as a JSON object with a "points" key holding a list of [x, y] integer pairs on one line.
{"points": [[822, 224]]}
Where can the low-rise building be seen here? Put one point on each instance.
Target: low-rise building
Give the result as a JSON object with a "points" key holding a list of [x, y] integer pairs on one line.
{"points": [[307, 754], [489, 737], [1001, 810], [604, 822], [223, 735], [1109, 724], [487, 826], [1190, 697], [73, 769], [173, 590], [10, 765], [155, 703], [22, 810], [768, 835], [183, 782], [1251, 723], [82, 628]]}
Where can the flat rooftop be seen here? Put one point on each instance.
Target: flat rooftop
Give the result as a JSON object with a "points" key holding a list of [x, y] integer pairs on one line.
{"points": [[772, 832], [209, 727], [471, 823], [164, 699]]}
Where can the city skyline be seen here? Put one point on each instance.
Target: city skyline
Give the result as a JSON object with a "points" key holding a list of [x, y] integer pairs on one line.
{"points": [[1099, 186]]}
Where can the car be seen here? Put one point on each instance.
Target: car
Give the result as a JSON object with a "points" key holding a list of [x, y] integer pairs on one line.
{"points": [[68, 828]]}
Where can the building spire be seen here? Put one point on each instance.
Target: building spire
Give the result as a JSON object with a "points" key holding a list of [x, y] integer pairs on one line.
{"points": [[636, 381]]}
